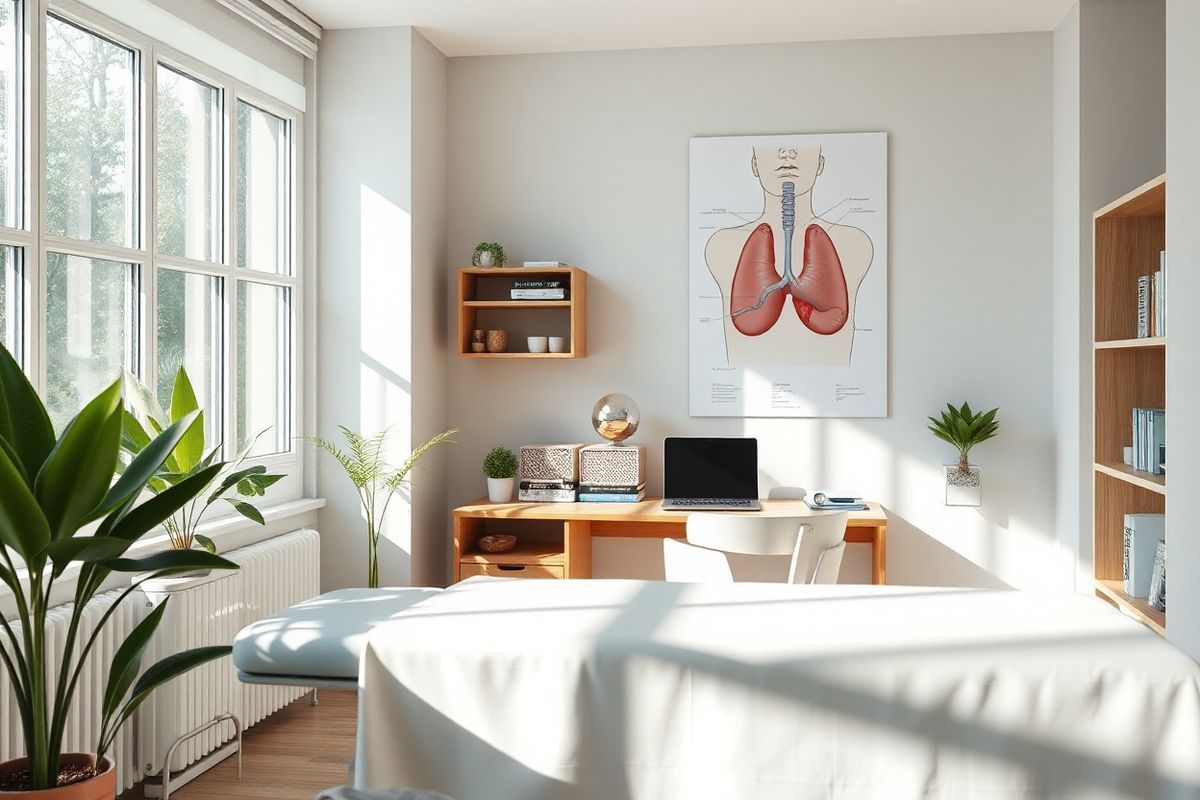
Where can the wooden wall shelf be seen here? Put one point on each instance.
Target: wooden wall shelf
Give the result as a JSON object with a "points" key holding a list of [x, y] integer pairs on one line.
{"points": [[1129, 234], [484, 303]]}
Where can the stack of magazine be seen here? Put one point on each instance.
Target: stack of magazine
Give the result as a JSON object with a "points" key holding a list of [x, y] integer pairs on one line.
{"points": [[827, 500], [539, 289], [594, 493]]}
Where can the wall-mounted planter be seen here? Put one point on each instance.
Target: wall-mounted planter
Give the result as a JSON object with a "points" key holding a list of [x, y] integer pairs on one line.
{"points": [[963, 488]]}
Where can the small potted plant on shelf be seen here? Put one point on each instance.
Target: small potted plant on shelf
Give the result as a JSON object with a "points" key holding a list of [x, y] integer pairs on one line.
{"points": [[500, 467], [488, 254], [64, 507], [964, 429]]}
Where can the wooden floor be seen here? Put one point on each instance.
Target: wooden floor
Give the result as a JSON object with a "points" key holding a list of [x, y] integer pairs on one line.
{"points": [[293, 754]]}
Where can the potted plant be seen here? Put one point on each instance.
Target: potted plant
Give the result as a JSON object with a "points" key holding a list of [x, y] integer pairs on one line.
{"points": [[52, 489], [488, 254], [964, 429], [236, 484], [500, 467], [375, 481]]}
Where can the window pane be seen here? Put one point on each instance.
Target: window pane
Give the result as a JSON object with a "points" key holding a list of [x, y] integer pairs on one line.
{"points": [[89, 319], [264, 355], [189, 331], [261, 178], [10, 300], [187, 166], [90, 136], [10, 113]]}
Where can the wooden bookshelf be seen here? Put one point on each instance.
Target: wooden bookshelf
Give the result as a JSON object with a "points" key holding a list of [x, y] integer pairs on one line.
{"points": [[483, 303], [1129, 234]]}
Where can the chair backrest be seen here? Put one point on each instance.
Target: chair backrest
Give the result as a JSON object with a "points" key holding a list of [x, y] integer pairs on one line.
{"points": [[815, 542]]}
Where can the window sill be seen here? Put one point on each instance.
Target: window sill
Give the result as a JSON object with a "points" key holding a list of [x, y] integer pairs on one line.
{"points": [[229, 533]]}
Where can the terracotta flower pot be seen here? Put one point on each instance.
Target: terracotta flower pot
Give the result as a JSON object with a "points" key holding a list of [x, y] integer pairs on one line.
{"points": [[101, 787]]}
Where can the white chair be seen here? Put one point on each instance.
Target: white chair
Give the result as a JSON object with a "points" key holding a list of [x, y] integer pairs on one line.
{"points": [[815, 542]]}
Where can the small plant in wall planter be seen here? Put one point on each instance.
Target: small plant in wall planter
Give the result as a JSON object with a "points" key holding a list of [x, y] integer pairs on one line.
{"points": [[489, 254], [964, 429], [500, 467]]}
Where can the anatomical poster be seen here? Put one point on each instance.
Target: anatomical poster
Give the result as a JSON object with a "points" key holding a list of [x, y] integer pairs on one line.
{"points": [[787, 276]]}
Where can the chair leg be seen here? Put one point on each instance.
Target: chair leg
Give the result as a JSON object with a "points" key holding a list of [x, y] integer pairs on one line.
{"points": [[313, 702]]}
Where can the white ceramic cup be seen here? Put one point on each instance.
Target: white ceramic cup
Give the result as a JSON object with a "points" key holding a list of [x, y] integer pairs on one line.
{"points": [[537, 344], [558, 344]]}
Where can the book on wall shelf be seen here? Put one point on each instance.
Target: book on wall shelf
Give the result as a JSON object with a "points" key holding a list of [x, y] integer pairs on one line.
{"points": [[1149, 439], [1152, 301], [545, 264], [538, 294]]}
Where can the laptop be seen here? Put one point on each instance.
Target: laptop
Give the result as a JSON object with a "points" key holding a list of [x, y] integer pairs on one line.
{"points": [[710, 474]]}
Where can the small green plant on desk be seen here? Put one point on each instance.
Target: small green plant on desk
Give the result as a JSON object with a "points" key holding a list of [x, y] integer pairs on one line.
{"points": [[500, 467]]}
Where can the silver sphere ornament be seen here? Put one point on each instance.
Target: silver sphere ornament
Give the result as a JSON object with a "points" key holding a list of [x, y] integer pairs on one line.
{"points": [[616, 417]]}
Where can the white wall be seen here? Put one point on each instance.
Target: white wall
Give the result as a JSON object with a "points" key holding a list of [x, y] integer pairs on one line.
{"points": [[1070, 428], [381, 223], [583, 157], [1109, 118], [1183, 352]]}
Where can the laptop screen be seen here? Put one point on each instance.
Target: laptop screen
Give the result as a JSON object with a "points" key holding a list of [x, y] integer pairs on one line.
{"points": [[704, 468]]}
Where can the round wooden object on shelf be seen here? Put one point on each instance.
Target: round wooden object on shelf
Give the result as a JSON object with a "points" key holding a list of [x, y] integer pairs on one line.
{"points": [[495, 543]]}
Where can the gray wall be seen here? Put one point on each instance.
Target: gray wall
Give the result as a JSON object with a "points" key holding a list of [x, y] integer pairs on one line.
{"points": [[1183, 354], [431, 284], [583, 157]]}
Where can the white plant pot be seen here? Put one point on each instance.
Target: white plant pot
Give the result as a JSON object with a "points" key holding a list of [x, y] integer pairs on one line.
{"points": [[963, 489], [500, 490], [487, 259]]}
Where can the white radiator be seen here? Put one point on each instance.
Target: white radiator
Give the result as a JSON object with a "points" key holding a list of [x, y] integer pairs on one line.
{"points": [[83, 725], [210, 610]]}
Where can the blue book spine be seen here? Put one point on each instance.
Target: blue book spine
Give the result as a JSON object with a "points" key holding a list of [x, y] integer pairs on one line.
{"points": [[611, 498]]}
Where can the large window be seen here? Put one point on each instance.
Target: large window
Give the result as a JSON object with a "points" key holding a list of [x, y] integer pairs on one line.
{"points": [[158, 229]]}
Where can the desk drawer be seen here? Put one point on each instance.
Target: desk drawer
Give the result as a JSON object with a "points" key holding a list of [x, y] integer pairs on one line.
{"points": [[511, 570]]}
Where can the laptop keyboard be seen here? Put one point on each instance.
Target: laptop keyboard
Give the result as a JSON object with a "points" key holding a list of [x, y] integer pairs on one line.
{"points": [[708, 502]]}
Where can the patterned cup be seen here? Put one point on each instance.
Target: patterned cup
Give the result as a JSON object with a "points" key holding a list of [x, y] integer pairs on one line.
{"points": [[497, 341]]}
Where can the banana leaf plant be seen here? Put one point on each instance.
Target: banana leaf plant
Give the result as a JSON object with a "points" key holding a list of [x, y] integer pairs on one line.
{"points": [[235, 483], [60, 509]]}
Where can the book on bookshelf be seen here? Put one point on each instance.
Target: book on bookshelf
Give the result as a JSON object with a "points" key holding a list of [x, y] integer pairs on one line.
{"points": [[547, 283], [1142, 534], [1158, 578], [1149, 439], [1143, 306], [546, 264], [1162, 293]]}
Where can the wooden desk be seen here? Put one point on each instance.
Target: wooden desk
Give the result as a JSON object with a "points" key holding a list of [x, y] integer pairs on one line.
{"points": [[645, 520]]}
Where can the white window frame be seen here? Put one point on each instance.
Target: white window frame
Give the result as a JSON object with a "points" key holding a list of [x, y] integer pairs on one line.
{"points": [[36, 244]]}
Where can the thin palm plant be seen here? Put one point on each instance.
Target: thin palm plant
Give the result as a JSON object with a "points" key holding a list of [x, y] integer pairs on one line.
{"points": [[375, 480]]}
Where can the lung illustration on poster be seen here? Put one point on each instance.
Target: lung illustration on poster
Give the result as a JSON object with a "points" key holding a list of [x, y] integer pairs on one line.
{"points": [[788, 276]]}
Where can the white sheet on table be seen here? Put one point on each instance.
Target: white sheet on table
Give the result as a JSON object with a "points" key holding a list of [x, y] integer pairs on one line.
{"points": [[518, 689]]}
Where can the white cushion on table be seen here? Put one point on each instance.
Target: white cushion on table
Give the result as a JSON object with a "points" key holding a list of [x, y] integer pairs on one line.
{"points": [[323, 637]]}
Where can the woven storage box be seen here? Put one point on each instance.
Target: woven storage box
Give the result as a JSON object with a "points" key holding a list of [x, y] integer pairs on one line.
{"points": [[550, 462], [612, 465]]}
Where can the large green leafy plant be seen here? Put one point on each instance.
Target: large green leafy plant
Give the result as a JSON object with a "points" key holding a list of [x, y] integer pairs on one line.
{"points": [[60, 508], [375, 481], [964, 429], [235, 484]]}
